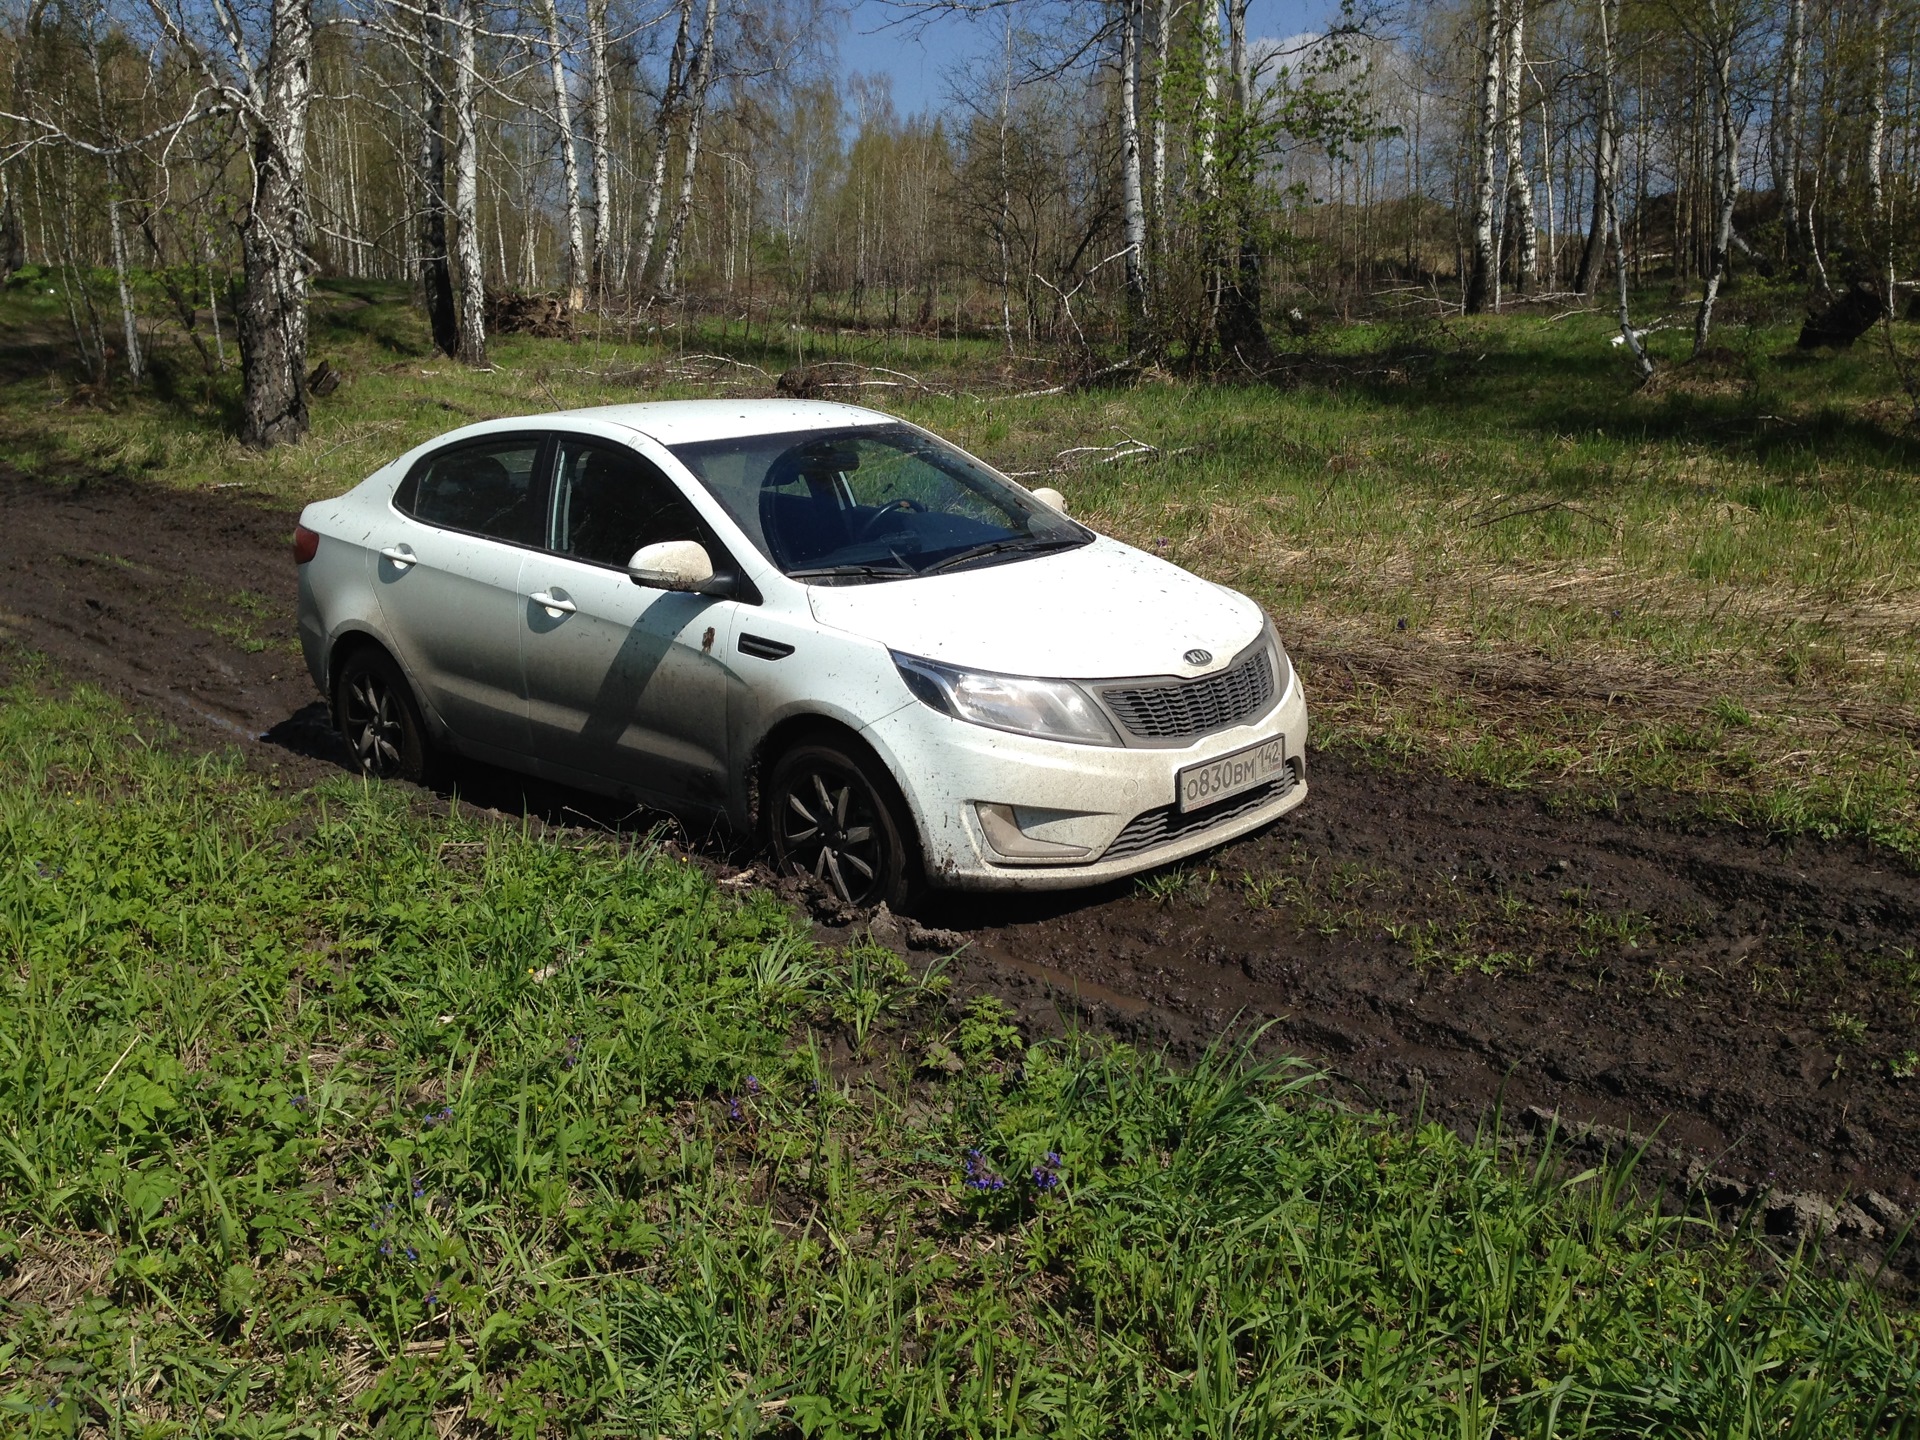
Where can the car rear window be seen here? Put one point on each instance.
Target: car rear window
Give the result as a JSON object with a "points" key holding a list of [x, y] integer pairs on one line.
{"points": [[489, 488]]}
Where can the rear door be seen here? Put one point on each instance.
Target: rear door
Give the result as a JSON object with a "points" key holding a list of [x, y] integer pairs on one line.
{"points": [[448, 578], [626, 686]]}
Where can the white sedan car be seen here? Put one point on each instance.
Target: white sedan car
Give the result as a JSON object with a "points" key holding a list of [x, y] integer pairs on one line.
{"points": [[820, 624]]}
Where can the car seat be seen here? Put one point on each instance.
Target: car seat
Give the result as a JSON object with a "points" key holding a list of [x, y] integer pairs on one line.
{"points": [[801, 514]]}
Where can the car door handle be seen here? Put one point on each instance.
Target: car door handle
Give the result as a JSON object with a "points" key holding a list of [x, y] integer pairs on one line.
{"points": [[553, 604], [400, 555]]}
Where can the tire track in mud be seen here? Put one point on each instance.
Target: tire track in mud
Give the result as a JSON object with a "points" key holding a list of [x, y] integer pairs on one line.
{"points": [[1442, 948]]}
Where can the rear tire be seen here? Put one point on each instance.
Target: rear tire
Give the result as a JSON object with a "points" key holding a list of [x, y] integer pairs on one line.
{"points": [[376, 713], [832, 815]]}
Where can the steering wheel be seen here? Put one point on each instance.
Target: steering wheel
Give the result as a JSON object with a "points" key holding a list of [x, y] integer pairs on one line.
{"points": [[904, 502]]}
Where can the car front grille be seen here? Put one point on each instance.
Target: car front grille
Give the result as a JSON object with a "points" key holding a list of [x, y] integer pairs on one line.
{"points": [[1182, 709], [1169, 823]]}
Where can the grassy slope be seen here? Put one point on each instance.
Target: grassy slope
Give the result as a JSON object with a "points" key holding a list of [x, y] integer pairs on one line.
{"points": [[1488, 550], [324, 1115]]}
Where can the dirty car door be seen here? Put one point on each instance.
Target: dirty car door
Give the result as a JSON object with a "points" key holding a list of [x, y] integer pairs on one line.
{"points": [[447, 577], [627, 686]]}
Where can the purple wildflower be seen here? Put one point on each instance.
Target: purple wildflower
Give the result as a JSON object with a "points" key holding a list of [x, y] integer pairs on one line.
{"points": [[976, 1174], [1046, 1175]]}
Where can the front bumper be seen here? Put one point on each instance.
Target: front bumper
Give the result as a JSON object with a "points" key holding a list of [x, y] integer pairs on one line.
{"points": [[1114, 803]]}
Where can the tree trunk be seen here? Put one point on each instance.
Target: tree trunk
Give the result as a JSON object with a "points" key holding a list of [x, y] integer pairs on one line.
{"points": [[569, 161], [470, 268], [1133, 198], [13, 237], [273, 260], [599, 127], [662, 143], [1609, 112], [436, 279], [690, 162], [1242, 332], [1791, 144], [1878, 203], [1519, 185], [1725, 165], [1484, 256], [1595, 250]]}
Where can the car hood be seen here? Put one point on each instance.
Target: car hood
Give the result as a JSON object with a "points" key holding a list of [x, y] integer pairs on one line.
{"points": [[1102, 611]]}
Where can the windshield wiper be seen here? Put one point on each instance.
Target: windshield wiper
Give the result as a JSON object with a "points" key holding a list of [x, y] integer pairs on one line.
{"points": [[1030, 544], [863, 572]]}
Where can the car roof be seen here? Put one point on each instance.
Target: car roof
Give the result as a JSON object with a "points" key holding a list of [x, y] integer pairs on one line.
{"points": [[686, 422]]}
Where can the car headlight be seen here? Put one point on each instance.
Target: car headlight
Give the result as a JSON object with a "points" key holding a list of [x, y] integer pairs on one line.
{"points": [[1050, 709]]}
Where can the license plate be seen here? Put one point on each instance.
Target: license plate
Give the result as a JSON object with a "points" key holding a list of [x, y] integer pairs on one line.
{"points": [[1247, 769]]}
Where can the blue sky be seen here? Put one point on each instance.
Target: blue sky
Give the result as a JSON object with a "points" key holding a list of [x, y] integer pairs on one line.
{"points": [[918, 64]]}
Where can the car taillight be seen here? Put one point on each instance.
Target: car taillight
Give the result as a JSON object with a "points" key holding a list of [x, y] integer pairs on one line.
{"points": [[306, 544]]}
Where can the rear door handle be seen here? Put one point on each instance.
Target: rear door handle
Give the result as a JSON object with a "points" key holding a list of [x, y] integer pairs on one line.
{"points": [[401, 555], [553, 604]]}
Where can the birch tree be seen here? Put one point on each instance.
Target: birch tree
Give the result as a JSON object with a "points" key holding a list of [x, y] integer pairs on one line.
{"points": [[436, 277], [272, 94], [1133, 198], [1609, 16], [569, 159], [600, 144], [1519, 186], [664, 116], [696, 107], [1481, 278], [469, 266]]}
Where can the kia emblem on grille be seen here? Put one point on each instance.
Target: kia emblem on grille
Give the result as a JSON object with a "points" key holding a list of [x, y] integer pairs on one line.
{"points": [[1198, 657]]}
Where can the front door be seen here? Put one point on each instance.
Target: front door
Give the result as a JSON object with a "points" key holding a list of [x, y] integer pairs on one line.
{"points": [[626, 686], [448, 580]]}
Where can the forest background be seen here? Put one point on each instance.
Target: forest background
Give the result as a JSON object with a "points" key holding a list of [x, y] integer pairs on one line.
{"points": [[1144, 179]]}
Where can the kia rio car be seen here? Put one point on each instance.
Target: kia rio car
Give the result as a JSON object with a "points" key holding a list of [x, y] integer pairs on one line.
{"points": [[820, 624]]}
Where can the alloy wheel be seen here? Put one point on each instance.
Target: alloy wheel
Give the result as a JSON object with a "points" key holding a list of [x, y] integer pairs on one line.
{"points": [[374, 727], [828, 827]]}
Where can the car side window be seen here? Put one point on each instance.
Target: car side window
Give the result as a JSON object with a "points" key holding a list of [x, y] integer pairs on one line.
{"points": [[491, 488], [609, 502]]}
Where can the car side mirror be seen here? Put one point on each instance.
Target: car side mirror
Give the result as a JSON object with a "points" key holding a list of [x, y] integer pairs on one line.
{"points": [[672, 565], [1051, 498]]}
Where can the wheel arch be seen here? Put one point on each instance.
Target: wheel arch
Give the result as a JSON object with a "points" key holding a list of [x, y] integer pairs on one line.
{"points": [[813, 726]]}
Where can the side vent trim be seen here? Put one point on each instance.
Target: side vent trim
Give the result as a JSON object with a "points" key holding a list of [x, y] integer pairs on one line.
{"points": [[762, 648]]}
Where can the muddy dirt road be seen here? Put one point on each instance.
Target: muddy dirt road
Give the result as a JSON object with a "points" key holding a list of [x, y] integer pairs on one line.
{"points": [[1438, 946]]}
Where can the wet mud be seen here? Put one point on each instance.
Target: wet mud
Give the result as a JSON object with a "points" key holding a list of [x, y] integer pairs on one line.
{"points": [[1441, 948]]}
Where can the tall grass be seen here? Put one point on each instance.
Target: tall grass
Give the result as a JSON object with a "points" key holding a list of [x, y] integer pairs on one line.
{"points": [[328, 1113]]}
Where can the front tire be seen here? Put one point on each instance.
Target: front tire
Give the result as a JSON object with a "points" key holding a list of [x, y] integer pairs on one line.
{"points": [[375, 712], [830, 815]]}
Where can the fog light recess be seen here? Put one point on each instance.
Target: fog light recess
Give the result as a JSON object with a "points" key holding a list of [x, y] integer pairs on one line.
{"points": [[1010, 842]]}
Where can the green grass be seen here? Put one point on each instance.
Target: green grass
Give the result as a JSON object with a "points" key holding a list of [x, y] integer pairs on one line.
{"points": [[1490, 552], [324, 1113]]}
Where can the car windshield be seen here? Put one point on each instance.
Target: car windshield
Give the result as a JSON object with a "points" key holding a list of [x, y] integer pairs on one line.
{"points": [[876, 503]]}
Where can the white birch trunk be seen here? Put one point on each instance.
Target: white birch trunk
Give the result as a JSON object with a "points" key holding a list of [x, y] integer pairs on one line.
{"points": [[1133, 194], [569, 160], [1791, 143], [1207, 141], [690, 162], [1163, 47], [662, 143], [599, 138], [1519, 185], [1485, 260], [469, 268], [1877, 196], [1725, 164], [1610, 117], [273, 309]]}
